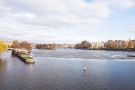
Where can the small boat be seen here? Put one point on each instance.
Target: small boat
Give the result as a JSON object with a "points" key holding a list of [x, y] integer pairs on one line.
{"points": [[130, 55]]}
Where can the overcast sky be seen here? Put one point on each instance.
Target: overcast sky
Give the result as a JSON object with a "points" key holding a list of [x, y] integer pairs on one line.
{"points": [[67, 20]]}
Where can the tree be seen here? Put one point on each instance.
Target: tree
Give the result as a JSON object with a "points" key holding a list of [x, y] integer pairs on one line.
{"points": [[22, 45], [26, 45], [3, 47], [85, 45], [15, 44]]}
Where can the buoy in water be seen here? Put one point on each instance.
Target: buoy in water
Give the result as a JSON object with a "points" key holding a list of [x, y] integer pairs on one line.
{"points": [[85, 69]]}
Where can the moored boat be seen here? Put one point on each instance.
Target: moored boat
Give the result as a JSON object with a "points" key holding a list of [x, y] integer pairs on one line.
{"points": [[25, 57], [130, 55]]}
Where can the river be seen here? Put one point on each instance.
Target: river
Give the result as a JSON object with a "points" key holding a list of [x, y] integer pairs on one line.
{"points": [[63, 70]]}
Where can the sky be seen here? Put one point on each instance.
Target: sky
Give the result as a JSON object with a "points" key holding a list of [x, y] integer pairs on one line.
{"points": [[67, 21]]}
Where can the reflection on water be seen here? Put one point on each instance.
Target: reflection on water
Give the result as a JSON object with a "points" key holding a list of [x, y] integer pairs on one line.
{"points": [[67, 73], [3, 64]]}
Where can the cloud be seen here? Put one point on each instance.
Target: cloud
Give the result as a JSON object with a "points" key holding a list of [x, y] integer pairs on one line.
{"points": [[61, 17], [123, 4], [3, 9], [58, 13], [119, 4]]}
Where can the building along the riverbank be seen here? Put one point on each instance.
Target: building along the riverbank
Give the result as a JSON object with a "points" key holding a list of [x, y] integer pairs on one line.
{"points": [[121, 45]]}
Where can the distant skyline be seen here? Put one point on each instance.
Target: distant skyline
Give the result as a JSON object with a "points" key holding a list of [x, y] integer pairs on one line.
{"points": [[70, 21]]}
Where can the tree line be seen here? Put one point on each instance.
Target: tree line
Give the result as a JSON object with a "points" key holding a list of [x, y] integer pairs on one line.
{"points": [[46, 46], [21, 45]]}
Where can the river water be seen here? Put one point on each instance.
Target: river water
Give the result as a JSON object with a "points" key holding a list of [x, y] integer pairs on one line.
{"points": [[63, 70]]}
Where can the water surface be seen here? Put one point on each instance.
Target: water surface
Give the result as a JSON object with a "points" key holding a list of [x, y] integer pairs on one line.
{"points": [[63, 70]]}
